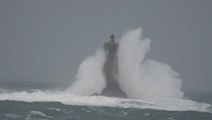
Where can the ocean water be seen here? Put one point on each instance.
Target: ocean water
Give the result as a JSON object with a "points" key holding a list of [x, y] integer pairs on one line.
{"points": [[103, 108]]}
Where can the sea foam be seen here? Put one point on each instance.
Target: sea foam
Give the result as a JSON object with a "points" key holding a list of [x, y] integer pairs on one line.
{"points": [[70, 99]]}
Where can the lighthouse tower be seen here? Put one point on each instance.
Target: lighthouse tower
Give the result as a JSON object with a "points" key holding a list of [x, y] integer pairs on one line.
{"points": [[110, 70]]}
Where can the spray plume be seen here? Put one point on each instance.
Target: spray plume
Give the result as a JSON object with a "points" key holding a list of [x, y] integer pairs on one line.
{"points": [[144, 79], [90, 78]]}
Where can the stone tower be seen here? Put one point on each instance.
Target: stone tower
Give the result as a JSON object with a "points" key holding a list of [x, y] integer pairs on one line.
{"points": [[110, 70]]}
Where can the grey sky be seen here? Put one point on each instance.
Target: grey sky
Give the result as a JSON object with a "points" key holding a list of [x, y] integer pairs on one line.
{"points": [[44, 41]]}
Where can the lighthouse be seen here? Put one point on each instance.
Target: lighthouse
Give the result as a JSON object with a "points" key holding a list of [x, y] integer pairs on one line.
{"points": [[110, 70]]}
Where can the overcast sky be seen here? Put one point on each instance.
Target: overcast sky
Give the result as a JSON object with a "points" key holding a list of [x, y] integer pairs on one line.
{"points": [[44, 41]]}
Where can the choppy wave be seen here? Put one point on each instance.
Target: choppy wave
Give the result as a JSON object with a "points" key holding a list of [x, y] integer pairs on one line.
{"points": [[37, 113], [68, 99]]}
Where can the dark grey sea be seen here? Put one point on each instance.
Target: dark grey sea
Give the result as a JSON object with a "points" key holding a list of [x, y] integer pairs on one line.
{"points": [[19, 110]]}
